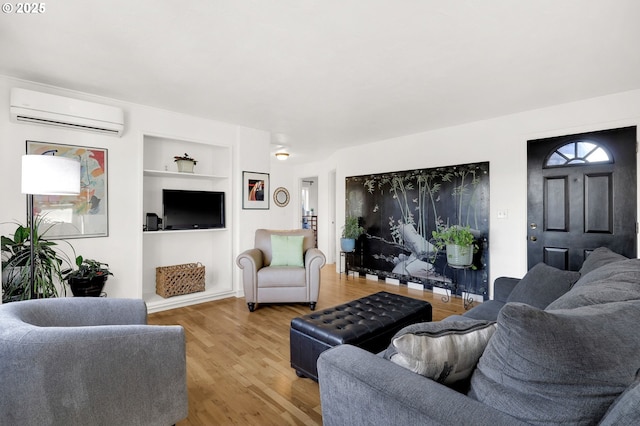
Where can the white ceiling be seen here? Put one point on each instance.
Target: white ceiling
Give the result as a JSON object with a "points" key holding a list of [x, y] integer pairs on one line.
{"points": [[330, 73]]}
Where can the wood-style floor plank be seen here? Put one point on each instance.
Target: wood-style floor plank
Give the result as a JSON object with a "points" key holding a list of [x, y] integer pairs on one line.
{"points": [[238, 367]]}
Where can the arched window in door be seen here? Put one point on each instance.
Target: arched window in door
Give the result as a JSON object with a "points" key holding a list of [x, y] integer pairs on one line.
{"points": [[577, 154]]}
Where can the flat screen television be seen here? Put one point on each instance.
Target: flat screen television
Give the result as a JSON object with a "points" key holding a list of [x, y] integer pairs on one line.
{"points": [[183, 209]]}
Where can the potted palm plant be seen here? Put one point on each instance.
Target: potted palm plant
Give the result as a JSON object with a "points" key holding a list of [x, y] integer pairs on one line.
{"points": [[48, 262], [459, 243], [88, 279], [350, 233]]}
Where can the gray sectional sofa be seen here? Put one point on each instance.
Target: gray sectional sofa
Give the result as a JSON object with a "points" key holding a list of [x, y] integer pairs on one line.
{"points": [[554, 347]]}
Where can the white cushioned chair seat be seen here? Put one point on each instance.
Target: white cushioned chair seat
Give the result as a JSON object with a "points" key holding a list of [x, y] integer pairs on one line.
{"points": [[281, 276]]}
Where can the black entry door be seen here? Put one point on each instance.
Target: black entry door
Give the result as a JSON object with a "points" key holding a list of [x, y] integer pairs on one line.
{"points": [[581, 196]]}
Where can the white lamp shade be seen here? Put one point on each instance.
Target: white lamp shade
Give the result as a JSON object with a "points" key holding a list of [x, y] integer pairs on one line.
{"points": [[50, 175]]}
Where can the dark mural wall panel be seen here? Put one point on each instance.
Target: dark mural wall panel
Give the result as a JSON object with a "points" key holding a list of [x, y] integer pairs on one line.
{"points": [[399, 211]]}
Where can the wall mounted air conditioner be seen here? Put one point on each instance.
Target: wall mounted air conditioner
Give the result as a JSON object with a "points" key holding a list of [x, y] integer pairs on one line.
{"points": [[32, 107]]}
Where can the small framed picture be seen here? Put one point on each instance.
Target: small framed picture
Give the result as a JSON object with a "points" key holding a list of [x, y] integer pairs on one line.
{"points": [[255, 191]]}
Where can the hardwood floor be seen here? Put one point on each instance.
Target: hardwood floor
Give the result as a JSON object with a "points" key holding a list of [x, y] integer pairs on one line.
{"points": [[238, 369]]}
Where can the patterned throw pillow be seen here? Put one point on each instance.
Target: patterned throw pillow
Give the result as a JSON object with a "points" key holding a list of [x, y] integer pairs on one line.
{"points": [[446, 352]]}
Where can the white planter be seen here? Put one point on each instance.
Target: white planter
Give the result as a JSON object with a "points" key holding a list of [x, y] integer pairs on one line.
{"points": [[459, 256], [185, 166]]}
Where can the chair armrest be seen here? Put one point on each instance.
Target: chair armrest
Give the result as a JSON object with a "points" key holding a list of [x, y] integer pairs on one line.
{"points": [[502, 288], [125, 374], [314, 258], [361, 388], [251, 259]]}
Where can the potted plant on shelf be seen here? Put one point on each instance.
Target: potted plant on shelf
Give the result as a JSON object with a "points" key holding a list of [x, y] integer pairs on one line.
{"points": [[350, 233], [89, 279], [16, 264], [459, 243], [185, 163]]}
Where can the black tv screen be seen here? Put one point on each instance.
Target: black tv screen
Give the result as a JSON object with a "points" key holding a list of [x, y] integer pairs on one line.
{"points": [[192, 209]]}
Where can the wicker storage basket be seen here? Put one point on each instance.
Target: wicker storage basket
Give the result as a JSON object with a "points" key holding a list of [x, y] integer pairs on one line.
{"points": [[179, 279]]}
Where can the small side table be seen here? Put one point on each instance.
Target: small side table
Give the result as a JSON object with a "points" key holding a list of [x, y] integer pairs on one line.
{"points": [[345, 255], [455, 285]]}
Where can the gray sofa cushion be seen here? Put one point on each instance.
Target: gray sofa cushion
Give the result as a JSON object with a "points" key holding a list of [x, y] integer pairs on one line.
{"points": [[563, 366], [599, 257], [614, 282], [542, 285], [625, 411], [443, 351]]}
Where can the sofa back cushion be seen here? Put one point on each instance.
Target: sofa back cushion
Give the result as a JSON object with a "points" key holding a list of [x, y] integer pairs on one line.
{"points": [[613, 282], [626, 409], [600, 257], [556, 367], [542, 285]]}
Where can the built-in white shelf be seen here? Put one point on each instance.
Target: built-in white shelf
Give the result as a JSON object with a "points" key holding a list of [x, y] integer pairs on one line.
{"points": [[182, 231], [209, 247], [164, 173], [156, 303]]}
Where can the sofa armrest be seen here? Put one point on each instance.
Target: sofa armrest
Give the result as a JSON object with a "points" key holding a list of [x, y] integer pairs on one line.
{"points": [[361, 388], [80, 311], [502, 288], [124, 374]]}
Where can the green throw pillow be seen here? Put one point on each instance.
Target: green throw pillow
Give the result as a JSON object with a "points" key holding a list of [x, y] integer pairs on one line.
{"points": [[286, 250]]}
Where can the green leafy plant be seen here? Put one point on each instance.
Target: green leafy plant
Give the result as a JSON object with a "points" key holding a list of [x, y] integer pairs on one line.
{"points": [[87, 268], [458, 235], [352, 229], [452, 236], [16, 264], [184, 157]]}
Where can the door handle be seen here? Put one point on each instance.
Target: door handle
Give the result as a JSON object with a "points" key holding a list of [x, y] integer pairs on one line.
{"points": [[533, 238]]}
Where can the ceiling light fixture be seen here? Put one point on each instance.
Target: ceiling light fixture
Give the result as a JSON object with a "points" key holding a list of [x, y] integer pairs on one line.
{"points": [[282, 155]]}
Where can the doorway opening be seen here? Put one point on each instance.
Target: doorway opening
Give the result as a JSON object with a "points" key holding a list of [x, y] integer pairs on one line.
{"points": [[309, 201]]}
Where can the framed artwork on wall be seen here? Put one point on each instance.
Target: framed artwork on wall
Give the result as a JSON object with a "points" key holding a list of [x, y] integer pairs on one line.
{"points": [[400, 211], [75, 216], [255, 191]]}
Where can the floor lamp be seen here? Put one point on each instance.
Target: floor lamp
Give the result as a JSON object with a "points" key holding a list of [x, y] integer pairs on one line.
{"points": [[46, 175]]}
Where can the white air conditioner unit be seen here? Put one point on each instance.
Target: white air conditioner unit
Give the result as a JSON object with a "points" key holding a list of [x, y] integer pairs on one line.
{"points": [[32, 107]]}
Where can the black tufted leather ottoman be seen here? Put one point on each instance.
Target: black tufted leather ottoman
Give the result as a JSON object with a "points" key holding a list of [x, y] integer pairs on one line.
{"points": [[369, 323]]}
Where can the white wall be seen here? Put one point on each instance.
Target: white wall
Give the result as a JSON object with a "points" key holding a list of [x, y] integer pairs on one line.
{"points": [[502, 142], [287, 217], [122, 249]]}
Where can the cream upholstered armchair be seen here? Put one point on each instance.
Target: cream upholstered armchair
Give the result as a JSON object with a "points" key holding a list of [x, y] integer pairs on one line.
{"points": [[89, 361], [283, 267]]}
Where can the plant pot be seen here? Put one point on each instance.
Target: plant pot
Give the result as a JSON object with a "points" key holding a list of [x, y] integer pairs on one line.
{"points": [[347, 244], [185, 166], [459, 256], [85, 287]]}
